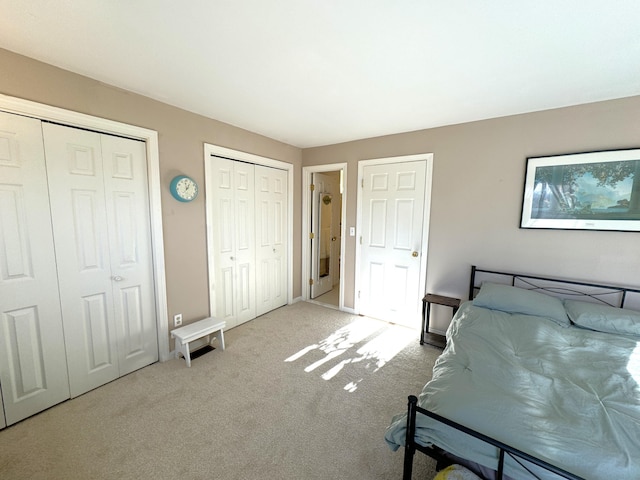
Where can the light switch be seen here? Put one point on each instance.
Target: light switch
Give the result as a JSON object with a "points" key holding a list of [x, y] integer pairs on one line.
{"points": [[352, 231]]}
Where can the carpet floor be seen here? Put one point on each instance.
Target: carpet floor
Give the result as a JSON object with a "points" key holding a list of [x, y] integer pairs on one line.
{"points": [[303, 392]]}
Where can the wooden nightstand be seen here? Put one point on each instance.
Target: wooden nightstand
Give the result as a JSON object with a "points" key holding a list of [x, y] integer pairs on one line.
{"points": [[433, 338]]}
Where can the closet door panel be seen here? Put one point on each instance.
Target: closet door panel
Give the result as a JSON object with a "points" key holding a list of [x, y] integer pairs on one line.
{"points": [[233, 233], [33, 371], [245, 250], [271, 203], [78, 208], [225, 293], [223, 234], [130, 252], [97, 336], [248, 239]]}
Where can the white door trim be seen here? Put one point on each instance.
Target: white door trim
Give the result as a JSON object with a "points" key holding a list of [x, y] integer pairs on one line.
{"points": [[306, 226], [150, 137], [231, 154], [426, 216]]}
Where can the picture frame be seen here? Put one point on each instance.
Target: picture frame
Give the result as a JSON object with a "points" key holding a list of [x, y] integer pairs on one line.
{"points": [[583, 191]]}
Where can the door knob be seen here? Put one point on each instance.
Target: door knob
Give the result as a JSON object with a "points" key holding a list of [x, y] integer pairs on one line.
{"points": [[414, 254], [117, 278]]}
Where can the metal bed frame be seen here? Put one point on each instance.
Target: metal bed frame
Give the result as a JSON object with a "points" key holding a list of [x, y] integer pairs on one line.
{"points": [[604, 294]]}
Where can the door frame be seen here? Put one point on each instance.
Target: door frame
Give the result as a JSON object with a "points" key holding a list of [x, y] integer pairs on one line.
{"points": [[150, 137], [428, 157], [306, 227], [237, 155]]}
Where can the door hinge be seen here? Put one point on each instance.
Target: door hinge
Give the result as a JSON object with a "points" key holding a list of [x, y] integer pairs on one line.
{"points": [[312, 235], [362, 183], [311, 281], [312, 187]]}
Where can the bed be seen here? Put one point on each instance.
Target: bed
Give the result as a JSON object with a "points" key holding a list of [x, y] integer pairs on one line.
{"points": [[540, 378]]}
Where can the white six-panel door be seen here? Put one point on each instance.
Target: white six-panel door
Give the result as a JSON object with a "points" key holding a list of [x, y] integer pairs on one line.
{"points": [[33, 367], [99, 206], [248, 240], [391, 241], [271, 260], [130, 252], [233, 231], [78, 208]]}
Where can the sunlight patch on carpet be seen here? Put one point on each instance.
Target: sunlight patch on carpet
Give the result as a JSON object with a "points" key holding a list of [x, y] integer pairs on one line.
{"points": [[365, 343]]}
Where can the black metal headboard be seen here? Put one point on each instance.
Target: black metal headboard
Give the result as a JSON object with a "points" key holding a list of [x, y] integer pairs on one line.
{"points": [[612, 295]]}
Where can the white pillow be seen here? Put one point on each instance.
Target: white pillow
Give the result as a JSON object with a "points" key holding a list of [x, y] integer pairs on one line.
{"points": [[603, 318], [506, 298]]}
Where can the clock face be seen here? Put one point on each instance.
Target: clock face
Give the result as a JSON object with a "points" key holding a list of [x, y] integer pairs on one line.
{"points": [[183, 188]]}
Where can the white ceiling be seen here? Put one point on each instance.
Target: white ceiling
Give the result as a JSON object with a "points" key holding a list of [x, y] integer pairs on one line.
{"points": [[318, 72]]}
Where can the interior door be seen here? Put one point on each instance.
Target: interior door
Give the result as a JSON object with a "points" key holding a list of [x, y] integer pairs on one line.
{"points": [[99, 207], [392, 227], [78, 208], [336, 236], [271, 238], [33, 367], [130, 254], [233, 232], [324, 211]]}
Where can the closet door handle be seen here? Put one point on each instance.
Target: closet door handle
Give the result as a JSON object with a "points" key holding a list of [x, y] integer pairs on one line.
{"points": [[117, 278], [232, 259]]}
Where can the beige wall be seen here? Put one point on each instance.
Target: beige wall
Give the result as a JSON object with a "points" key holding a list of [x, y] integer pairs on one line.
{"points": [[478, 179], [477, 183], [181, 139]]}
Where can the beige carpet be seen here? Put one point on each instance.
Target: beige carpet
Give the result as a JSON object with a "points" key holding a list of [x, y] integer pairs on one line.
{"points": [[304, 392]]}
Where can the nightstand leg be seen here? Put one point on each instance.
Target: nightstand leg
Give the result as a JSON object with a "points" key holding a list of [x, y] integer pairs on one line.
{"points": [[425, 321]]}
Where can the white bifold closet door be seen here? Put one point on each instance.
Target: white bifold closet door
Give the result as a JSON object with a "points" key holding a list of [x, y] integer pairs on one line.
{"points": [[99, 206], [249, 244], [77, 304], [233, 201], [271, 241], [33, 365]]}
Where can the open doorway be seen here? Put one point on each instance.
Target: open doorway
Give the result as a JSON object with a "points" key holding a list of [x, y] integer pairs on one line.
{"points": [[324, 204]]}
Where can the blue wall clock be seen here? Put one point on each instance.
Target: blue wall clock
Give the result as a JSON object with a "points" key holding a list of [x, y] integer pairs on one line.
{"points": [[183, 188]]}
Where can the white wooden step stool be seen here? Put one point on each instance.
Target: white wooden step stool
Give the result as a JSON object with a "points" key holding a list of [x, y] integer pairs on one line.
{"points": [[194, 331]]}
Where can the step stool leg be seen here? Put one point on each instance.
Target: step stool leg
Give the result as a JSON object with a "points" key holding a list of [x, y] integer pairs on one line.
{"points": [[187, 354], [183, 348], [221, 339]]}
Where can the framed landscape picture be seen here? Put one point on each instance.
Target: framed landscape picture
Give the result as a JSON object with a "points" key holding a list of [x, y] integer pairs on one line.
{"points": [[583, 191]]}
